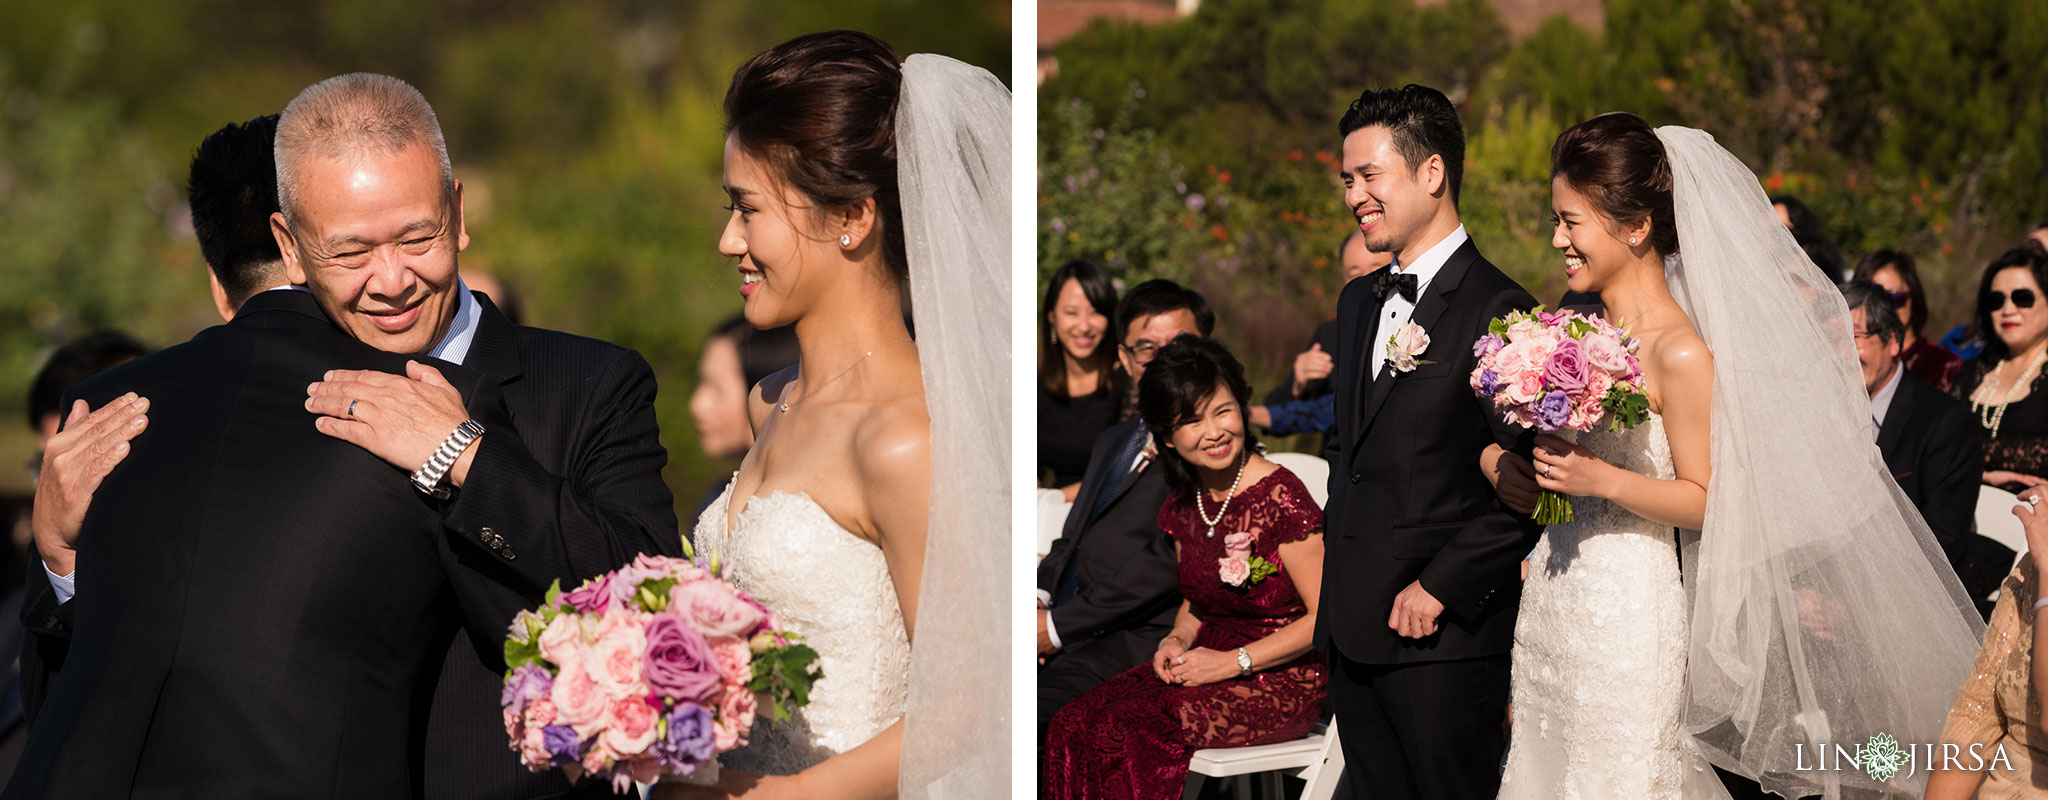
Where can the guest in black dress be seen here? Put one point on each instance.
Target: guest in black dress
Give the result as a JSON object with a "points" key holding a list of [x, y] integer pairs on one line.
{"points": [[1076, 398], [1896, 271], [2004, 385], [734, 359]]}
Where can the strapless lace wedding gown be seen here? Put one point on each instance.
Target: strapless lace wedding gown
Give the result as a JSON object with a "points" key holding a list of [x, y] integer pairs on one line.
{"points": [[1599, 657], [832, 588]]}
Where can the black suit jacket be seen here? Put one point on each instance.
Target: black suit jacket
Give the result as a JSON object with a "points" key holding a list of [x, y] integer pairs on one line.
{"points": [[1407, 499], [260, 606], [1124, 566], [568, 477], [1935, 452]]}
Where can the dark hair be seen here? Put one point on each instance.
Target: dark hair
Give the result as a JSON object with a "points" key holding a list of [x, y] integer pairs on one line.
{"points": [[232, 192], [1162, 296], [1354, 234], [1994, 347], [820, 111], [762, 352], [1423, 123], [71, 364], [1880, 317], [1618, 163], [1186, 372], [1101, 294], [1909, 273], [1807, 232]]}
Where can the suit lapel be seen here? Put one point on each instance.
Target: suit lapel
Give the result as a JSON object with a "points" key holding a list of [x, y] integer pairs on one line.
{"points": [[494, 351], [1895, 418], [1435, 300]]}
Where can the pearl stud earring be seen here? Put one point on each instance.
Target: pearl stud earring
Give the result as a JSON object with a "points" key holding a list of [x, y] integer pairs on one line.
{"points": [[845, 240]]}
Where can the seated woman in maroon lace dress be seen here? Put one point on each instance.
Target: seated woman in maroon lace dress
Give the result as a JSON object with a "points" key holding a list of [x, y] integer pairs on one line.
{"points": [[1238, 668]]}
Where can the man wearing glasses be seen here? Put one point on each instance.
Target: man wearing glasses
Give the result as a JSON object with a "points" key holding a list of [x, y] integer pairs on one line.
{"points": [[1934, 450], [1107, 591]]}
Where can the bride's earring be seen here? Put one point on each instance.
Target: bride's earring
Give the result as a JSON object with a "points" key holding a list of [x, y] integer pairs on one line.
{"points": [[846, 240], [1632, 241]]}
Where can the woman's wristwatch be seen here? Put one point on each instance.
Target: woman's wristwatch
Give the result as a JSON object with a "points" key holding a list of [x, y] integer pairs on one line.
{"points": [[1244, 662]]}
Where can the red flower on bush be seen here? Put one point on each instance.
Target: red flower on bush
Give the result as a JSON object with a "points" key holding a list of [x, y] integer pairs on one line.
{"points": [[1775, 182]]}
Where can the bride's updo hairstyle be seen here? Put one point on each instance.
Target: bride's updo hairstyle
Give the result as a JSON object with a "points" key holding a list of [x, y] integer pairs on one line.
{"points": [[820, 111], [1183, 374], [1618, 163]]}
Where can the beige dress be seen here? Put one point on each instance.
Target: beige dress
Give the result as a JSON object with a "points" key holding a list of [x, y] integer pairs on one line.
{"points": [[1998, 706]]}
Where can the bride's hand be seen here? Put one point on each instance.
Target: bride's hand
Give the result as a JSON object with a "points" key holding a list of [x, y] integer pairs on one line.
{"points": [[735, 785], [1202, 666], [1568, 468]]}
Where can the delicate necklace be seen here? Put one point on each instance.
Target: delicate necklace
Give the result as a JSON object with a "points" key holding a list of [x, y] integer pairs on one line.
{"points": [[1227, 497], [787, 404], [1994, 415]]}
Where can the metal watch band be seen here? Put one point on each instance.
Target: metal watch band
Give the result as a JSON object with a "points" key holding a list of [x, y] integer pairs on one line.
{"points": [[428, 477]]}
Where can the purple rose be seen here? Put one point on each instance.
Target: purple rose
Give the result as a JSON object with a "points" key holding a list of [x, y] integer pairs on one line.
{"points": [[561, 742], [688, 744], [526, 684], [1553, 410], [1567, 368], [1487, 345], [593, 597], [679, 663]]}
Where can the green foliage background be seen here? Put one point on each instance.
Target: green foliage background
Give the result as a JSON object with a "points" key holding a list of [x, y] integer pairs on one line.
{"points": [[1202, 149], [588, 137]]}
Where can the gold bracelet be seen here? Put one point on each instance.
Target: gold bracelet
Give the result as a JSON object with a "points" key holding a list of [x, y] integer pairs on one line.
{"points": [[1162, 642]]}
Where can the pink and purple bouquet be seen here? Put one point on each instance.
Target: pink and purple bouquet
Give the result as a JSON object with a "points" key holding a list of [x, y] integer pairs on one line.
{"points": [[1557, 371], [657, 666]]}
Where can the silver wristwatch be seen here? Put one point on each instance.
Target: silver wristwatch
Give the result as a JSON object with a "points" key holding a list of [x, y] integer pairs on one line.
{"points": [[1244, 662], [428, 477]]}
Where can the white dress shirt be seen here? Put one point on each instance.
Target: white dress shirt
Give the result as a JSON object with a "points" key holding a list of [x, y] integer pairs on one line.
{"points": [[1396, 310], [453, 348], [1882, 401]]}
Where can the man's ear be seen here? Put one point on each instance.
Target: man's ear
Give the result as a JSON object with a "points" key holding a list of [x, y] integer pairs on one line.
{"points": [[294, 272], [461, 226], [1433, 177], [220, 297]]}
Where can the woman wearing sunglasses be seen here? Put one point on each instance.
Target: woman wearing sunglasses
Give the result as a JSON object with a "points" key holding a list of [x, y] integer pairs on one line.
{"points": [[2004, 384], [1900, 276]]}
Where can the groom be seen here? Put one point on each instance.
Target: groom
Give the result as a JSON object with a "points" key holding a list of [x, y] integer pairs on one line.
{"points": [[1421, 574]]}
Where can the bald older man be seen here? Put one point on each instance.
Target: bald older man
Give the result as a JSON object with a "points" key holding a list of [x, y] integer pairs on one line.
{"points": [[272, 583]]}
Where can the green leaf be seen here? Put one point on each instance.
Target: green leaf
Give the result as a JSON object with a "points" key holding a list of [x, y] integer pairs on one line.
{"points": [[652, 596]]}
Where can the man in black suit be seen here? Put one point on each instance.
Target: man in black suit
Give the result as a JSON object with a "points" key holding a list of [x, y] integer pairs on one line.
{"points": [[1422, 574], [1108, 590], [1933, 448], [568, 486]]}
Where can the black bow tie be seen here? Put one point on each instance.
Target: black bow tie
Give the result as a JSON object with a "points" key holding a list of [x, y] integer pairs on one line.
{"points": [[1391, 282]]}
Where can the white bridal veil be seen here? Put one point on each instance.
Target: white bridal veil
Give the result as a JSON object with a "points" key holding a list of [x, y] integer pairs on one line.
{"points": [[953, 165], [1823, 612]]}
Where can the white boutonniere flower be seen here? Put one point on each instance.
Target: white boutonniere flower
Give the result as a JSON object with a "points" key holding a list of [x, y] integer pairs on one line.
{"points": [[1406, 346]]}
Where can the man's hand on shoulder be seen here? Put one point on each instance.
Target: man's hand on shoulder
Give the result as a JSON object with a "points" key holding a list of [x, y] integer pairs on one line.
{"points": [[74, 463]]}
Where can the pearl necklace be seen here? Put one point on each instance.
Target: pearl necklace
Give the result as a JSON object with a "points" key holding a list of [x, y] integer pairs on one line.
{"points": [[1994, 415], [1227, 497], [786, 404]]}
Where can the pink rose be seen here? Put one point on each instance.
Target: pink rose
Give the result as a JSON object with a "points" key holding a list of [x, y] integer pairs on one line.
{"points": [[511, 724], [540, 714], [735, 660], [1525, 388], [735, 720], [561, 640], [1597, 385], [1235, 571], [533, 748], [1567, 370], [1606, 354], [594, 596], [614, 662], [629, 726], [715, 609], [1240, 542], [1411, 340], [1522, 330], [579, 701]]}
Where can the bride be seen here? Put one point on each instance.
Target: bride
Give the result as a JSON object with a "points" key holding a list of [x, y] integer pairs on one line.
{"points": [[876, 479], [1814, 608]]}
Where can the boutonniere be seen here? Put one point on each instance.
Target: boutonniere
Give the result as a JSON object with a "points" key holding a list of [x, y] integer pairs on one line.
{"points": [[1238, 566], [1406, 346]]}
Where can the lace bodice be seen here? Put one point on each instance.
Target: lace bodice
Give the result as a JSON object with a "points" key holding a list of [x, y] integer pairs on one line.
{"points": [[833, 589], [1599, 657]]}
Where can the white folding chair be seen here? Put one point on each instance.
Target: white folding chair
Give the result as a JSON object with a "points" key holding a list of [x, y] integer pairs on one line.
{"points": [[1312, 470], [1316, 759], [1996, 522]]}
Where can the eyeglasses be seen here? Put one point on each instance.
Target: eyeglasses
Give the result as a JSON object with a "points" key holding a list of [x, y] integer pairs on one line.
{"points": [[1993, 301], [1142, 353]]}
